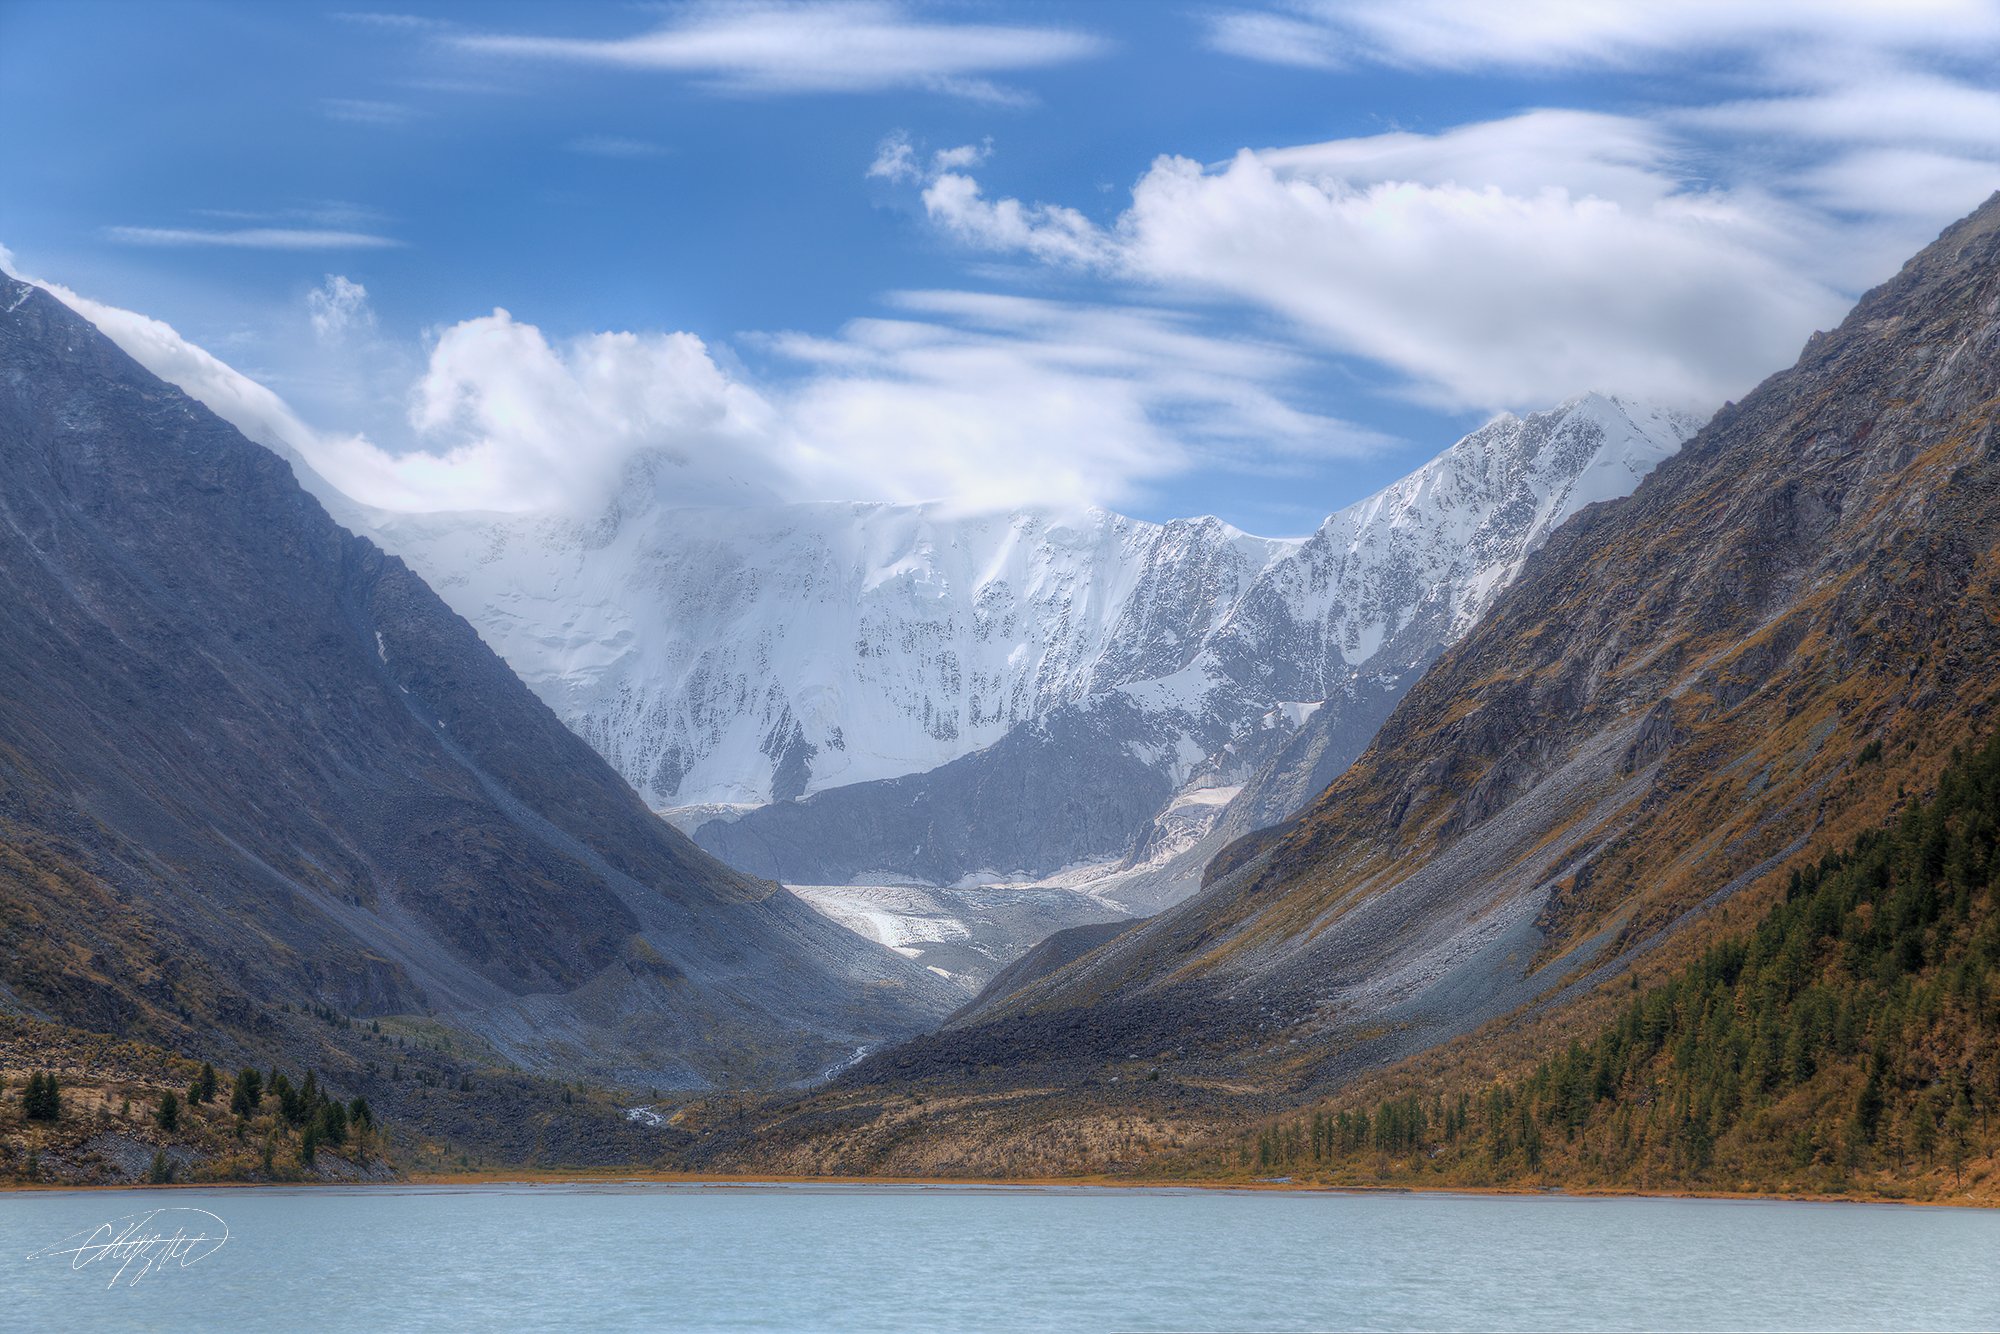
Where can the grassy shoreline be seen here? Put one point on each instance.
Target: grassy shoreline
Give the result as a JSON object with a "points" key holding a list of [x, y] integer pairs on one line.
{"points": [[649, 1176]]}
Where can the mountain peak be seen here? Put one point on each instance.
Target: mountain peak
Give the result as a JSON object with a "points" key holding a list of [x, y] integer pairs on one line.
{"points": [[1663, 711], [299, 774]]}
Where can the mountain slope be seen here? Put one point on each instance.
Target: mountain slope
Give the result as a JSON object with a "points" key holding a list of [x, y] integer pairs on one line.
{"points": [[736, 656], [1186, 739], [1850, 1041], [1669, 703], [245, 759]]}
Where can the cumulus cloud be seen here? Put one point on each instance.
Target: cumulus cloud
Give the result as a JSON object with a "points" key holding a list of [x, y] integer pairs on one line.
{"points": [[1878, 120], [961, 157], [1837, 137], [827, 46], [898, 161], [1046, 231], [504, 419], [975, 399], [339, 307], [1504, 264], [895, 161], [500, 418]]}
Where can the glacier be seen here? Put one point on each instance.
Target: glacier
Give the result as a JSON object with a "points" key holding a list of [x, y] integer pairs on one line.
{"points": [[733, 661]]}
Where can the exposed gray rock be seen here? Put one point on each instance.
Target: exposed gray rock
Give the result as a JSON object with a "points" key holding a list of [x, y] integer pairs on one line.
{"points": [[1664, 708], [250, 759]]}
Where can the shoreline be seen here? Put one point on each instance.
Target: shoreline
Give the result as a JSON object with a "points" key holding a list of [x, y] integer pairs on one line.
{"points": [[648, 1177]]}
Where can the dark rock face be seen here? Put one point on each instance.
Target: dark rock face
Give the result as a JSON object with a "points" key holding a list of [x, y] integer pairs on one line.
{"points": [[1068, 788], [1049, 793], [246, 758], [1665, 709]]}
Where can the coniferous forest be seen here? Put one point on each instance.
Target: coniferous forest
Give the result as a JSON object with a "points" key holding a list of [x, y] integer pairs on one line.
{"points": [[1851, 1041]]}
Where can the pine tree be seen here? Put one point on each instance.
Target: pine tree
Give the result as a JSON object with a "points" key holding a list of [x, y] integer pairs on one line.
{"points": [[292, 1104], [332, 1123], [169, 1115], [42, 1099], [204, 1085], [248, 1093]]}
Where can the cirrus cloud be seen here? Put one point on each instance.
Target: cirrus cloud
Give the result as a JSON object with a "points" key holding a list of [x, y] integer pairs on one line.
{"points": [[1551, 34], [824, 46], [253, 238]]}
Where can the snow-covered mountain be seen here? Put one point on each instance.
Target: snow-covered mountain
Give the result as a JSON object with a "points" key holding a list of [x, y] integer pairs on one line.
{"points": [[1126, 786], [737, 656], [955, 695]]}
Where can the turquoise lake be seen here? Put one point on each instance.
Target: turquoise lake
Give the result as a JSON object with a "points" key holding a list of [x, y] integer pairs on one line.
{"points": [[673, 1257]]}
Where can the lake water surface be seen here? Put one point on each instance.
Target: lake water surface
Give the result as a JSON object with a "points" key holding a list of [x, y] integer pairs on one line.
{"points": [[671, 1257]]}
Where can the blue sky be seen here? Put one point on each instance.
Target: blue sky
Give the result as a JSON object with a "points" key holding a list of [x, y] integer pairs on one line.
{"points": [[1248, 259]]}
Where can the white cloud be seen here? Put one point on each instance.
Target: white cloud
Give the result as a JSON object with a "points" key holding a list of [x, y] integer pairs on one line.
{"points": [[337, 307], [980, 400], [1891, 106], [1506, 264], [506, 420], [895, 161], [1007, 400], [1547, 34], [847, 46], [1836, 135], [503, 419], [1278, 39], [961, 157], [1047, 231], [1911, 183], [253, 238]]}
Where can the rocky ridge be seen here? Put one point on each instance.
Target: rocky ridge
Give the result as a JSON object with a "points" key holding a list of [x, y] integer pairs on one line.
{"points": [[251, 766]]}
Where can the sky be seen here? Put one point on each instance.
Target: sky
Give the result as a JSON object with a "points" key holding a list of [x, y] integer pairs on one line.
{"points": [[1254, 258]]}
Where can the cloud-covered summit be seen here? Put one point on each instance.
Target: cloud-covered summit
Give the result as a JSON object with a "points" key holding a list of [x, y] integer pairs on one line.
{"points": [[977, 400]]}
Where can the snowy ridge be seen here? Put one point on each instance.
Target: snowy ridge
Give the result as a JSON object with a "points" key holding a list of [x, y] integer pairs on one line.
{"points": [[754, 654], [734, 656]]}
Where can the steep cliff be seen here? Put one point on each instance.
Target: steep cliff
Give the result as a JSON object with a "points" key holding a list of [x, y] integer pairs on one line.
{"points": [[1792, 619], [251, 766]]}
